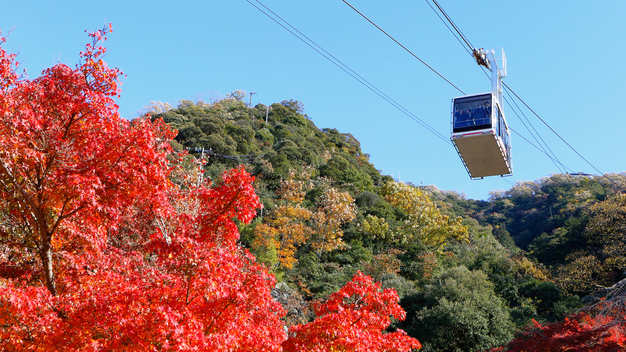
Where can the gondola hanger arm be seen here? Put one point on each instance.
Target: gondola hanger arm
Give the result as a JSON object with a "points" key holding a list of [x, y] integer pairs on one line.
{"points": [[481, 57]]}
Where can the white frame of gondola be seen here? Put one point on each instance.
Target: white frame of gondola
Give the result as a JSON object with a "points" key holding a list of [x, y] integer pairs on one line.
{"points": [[498, 127]]}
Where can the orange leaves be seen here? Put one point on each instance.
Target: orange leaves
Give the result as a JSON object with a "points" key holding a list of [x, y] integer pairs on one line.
{"points": [[234, 198], [291, 191], [198, 289], [118, 249], [285, 230], [290, 225], [70, 164], [8, 66], [96, 73], [384, 263]]}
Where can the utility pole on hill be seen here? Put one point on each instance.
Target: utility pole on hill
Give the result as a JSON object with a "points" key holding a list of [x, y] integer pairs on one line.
{"points": [[251, 98]]}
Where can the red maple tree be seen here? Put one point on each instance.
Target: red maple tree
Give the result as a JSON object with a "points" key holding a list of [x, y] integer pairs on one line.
{"points": [[100, 250], [579, 333], [354, 319]]}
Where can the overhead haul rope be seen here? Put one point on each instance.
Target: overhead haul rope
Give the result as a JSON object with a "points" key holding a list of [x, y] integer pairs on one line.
{"points": [[551, 129], [404, 47], [470, 50], [554, 158], [378, 92], [469, 45], [306, 40]]}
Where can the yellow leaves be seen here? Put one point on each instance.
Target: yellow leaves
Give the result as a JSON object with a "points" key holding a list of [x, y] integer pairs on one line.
{"points": [[294, 188], [291, 191], [607, 220], [286, 213], [527, 268], [339, 205], [424, 223], [376, 226], [601, 260], [581, 273]]}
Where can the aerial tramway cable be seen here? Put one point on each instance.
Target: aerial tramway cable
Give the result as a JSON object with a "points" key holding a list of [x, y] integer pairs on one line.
{"points": [[469, 45], [469, 48], [469, 51], [346, 69], [554, 158], [404, 47], [551, 129], [551, 154]]}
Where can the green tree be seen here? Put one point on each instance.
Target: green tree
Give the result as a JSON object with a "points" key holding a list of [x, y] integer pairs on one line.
{"points": [[601, 260], [461, 312], [341, 170], [523, 284]]}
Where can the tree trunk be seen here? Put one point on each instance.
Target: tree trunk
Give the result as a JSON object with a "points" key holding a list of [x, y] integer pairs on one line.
{"points": [[45, 253]]}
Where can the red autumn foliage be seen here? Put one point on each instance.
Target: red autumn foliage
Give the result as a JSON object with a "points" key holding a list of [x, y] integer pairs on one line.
{"points": [[101, 250], [353, 319], [580, 333]]}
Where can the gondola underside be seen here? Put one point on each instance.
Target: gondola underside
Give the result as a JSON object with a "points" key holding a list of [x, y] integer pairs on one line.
{"points": [[482, 155]]}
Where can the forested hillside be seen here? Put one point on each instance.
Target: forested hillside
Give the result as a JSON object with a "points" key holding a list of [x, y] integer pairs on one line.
{"points": [[470, 274]]}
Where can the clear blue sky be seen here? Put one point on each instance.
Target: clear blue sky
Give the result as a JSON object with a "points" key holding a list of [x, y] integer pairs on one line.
{"points": [[565, 59]]}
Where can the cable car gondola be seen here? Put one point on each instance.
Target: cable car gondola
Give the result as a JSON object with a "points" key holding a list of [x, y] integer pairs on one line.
{"points": [[480, 133]]}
